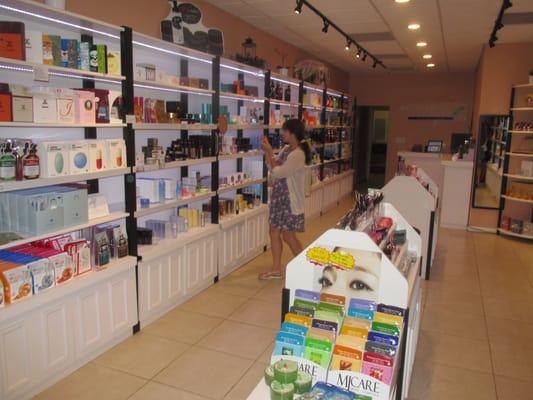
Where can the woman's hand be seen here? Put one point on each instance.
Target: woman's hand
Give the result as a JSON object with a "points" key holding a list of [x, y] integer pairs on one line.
{"points": [[265, 145]]}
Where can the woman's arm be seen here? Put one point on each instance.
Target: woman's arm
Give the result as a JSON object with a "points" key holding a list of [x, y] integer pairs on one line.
{"points": [[295, 161], [269, 153]]}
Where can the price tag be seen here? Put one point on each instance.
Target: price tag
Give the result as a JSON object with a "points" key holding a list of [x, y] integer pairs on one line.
{"points": [[130, 119], [40, 73]]}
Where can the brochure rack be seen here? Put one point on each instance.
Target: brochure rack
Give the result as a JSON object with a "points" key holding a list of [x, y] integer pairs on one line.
{"points": [[394, 289], [419, 206]]}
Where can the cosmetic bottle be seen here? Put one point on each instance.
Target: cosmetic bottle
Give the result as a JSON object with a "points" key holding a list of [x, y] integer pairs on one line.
{"points": [[7, 164], [30, 164], [19, 173], [288, 93]]}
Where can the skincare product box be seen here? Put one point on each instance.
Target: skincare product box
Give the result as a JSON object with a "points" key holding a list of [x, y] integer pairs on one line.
{"points": [[145, 72], [6, 112], [52, 50], [22, 109], [84, 58], [42, 274], [12, 37], [114, 63], [54, 158], [148, 189], [84, 103], [69, 53], [34, 46], [65, 105], [78, 157], [44, 106], [97, 155], [116, 153], [16, 280], [75, 205]]}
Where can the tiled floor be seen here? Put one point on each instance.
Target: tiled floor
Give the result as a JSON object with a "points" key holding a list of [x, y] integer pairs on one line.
{"points": [[475, 343]]}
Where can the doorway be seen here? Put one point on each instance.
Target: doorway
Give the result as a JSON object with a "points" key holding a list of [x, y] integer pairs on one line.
{"points": [[372, 136]]}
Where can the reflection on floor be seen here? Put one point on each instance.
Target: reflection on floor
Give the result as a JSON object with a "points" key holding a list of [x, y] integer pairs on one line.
{"points": [[476, 341], [486, 198]]}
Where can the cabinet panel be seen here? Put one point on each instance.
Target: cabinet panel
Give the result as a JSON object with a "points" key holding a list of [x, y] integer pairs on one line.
{"points": [[57, 340], [194, 261], [233, 247], [89, 326], [210, 262], [176, 275], [155, 282], [16, 357], [120, 306]]}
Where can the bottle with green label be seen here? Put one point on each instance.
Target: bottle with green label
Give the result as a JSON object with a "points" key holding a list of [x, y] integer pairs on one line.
{"points": [[8, 163]]}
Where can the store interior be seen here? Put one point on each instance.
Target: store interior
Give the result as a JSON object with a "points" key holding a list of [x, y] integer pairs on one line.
{"points": [[139, 211]]}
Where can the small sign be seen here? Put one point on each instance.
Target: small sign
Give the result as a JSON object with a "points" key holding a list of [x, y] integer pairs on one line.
{"points": [[130, 119], [40, 73]]}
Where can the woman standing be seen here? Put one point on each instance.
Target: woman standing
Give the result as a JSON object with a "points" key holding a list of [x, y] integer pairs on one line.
{"points": [[286, 215]]}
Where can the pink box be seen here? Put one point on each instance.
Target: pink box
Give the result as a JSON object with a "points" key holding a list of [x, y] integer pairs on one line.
{"points": [[84, 103], [378, 366]]}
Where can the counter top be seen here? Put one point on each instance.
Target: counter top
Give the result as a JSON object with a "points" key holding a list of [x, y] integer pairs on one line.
{"points": [[458, 164]]}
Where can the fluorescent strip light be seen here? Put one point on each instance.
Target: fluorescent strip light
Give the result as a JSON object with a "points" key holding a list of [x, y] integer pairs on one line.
{"points": [[169, 90], [63, 75], [12, 68], [175, 53], [259, 74], [284, 81], [334, 94], [312, 88], [283, 104], [251, 100], [58, 21]]}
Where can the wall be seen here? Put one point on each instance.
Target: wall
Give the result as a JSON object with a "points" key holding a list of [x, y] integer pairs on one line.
{"points": [[499, 69], [145, 16], [408, 94]]}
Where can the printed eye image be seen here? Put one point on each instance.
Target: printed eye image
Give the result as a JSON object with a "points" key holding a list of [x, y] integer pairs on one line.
{"points": [[360, 282]]}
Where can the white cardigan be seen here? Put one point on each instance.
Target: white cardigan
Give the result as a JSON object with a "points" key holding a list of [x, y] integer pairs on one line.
{"points": [[293, 169]]}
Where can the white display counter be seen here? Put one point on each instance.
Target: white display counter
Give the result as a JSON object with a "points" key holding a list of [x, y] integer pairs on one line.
{"points": [[394, 289], [431, 163], [420, 207], [456, 192]]}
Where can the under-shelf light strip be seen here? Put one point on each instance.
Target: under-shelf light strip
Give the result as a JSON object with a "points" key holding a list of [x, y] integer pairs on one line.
{"points": [[59, 74], [58, 21], [170, 90], [284, 81], [175, 53], [312, 88], [280, 103], [258, 74], [251, 100], [334, 94]]}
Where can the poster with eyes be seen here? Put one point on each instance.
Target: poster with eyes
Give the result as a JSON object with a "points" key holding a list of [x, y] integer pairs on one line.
{"points": [[345, 271], [183, 25]]}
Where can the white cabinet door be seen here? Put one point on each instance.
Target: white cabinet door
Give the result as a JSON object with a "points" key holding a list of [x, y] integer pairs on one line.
{"points": [[122, 303], [194, 262], [210, 262], [176, 276], [90, 322], [256, 233], [16, 357], [233, 247]]}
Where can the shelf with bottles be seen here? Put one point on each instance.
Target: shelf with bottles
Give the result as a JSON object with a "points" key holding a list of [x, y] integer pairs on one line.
{"points": [[233, 210], [517, 223], [283, 92], [172, 127], [241, 154]]}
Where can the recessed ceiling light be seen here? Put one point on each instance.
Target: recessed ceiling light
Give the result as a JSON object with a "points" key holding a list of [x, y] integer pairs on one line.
{"points": [[413, 27], [402, 1], [427, 56], [421, 44], [430, 65]]}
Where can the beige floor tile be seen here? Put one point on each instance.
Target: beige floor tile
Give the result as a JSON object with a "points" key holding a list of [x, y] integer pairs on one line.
{"points": [[94, 381], [157, 391], [239, 339], [459, 284], [512, 360], [260, 313], [183, 326], [214, 303], [462, 302], [515, 289], [439, 318], [205, 372], [270, 293], [517, 311], [454, 351], [267, 354], [503, 330], [512, 389], [246, 285], [247, 384], [142, 355], [439, 382]]}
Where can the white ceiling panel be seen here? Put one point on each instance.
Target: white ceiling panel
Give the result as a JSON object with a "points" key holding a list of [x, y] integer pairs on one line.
{"points": [[455, 30]]}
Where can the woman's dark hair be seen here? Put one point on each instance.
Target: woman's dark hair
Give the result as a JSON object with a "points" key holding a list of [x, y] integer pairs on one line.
{"points": [[297, 128]]}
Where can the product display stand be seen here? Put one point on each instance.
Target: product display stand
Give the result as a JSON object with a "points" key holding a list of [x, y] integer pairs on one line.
{"points": [[515, 216], [419, 206], [394, 289]]}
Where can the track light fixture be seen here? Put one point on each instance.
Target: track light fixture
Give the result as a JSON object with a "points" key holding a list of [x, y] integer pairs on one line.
{"points": [[298, 9], [375, 63], [498, 24], [326, 26]]}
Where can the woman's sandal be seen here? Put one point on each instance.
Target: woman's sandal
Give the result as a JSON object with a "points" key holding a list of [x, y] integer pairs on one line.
{"points": [[270, 275]]}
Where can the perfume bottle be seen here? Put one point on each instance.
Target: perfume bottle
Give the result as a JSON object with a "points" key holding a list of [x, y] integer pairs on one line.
{"points": [[288, 93], [7, 164], [19, 173], [30, 163]]}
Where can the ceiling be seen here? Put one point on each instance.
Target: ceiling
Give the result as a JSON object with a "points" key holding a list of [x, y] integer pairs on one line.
{"points": [[455, 30]]}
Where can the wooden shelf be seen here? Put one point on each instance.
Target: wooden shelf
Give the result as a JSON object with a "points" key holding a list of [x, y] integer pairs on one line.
{"points": [[92, 222], [175, 164], [252, 153], [173, 127], [157, 85], [511, 198], [233, 96], [13, 124], [523, 177], [62, 72], [251, 182], [284, 103], [518, 154], [518, 235], [522, 109], [41, 182], [170, 204], [522, 132]]}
